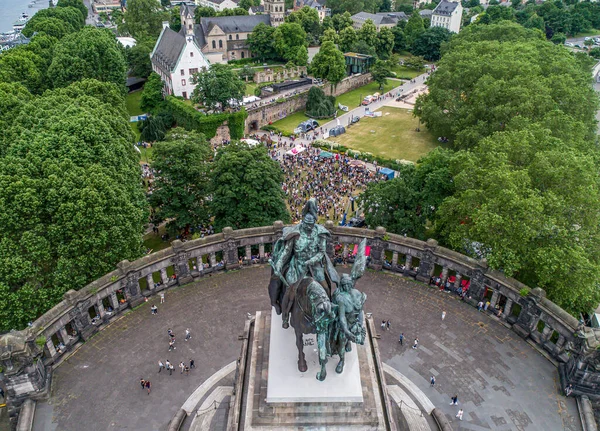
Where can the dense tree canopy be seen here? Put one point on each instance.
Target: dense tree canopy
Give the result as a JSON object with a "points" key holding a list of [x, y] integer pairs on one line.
{"points": [[318, 105], [428, 43], [78, 4], [218, 87], [57, 22], [246, 188], [72, 205], [308, 18], [262, 42], [290, 43], [181, 185], [329, 64], [144, 18], [89, 53]]}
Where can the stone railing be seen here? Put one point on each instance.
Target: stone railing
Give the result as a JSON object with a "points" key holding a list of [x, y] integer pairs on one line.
{"points": [[27, 356]]}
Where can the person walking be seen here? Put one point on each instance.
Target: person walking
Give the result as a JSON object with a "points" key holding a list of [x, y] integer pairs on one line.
{"points": [[170, 332], [388, 325], [459, 415], [401, 339], [181, 367], [454, 400], [416, 343], [172, 345], [160, 365], [192, 365], [432, 382], [148, 386], [187, 370], [443, 315], [188, 335], [142, 383], [168, 367], [162, 297], [383, 325]]}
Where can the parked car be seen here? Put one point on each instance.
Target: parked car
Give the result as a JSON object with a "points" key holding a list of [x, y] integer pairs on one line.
{"points": [[306, 126], [367, 100], [569, 44], [342, 107], [355, 119]]}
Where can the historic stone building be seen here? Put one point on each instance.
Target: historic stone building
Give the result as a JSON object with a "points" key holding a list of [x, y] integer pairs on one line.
{"points": [[447, 14], [178, 55]]}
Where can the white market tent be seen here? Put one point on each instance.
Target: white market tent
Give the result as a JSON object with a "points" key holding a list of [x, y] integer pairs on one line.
{"points": [[294, 151]]}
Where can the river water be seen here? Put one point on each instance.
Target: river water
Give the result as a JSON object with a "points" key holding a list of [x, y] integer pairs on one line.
{"points": [[11, 10]]}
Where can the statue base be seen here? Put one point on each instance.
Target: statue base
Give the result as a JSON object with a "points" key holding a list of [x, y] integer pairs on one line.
{"points": [[287, 384], [266, 399]]}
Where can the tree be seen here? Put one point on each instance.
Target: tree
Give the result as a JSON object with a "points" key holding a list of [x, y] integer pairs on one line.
{"points": [[290, 42], [144, 18], [347, 39], [595, 53], [152, 129], [368, 33], [330, 35], [78, 4], [22, 66], [414, 62], [341, 21], [559, 38], [385, 6], [72, 205], [385, 43], [218, 87], [138, 59], [523, 86], [329, 64], [380, 72], [181, 186], [165, 3], [262, 42], [55, 21], [496, 13], [363, 47], [318, 105], [152, 96], [204, 12], [428, 43], [308, 18], [246, 4], [339, 7], [246, 188], [237, 11], [247, 72], [175, 19], [399, 38], [414, 27], [536, 21], [89, 53]]}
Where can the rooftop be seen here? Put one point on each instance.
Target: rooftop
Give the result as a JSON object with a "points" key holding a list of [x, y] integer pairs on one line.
{"points": [[445, 8], [380, 18]]}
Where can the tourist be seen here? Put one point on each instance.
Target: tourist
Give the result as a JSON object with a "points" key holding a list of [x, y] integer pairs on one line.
{"points": [[432, 382], [171, 334], [172, 345], [388, 325], [187, 334], [383, 325], [459, 415], [181, 367], [443, 315], [454, 400], [169, 367], [143, 383], [154, 309], [480, 306], [162, 297], [148, 386], [187, 370], [192, 365], [401, 339], [569, 390], [160, 365], [416, 343]]}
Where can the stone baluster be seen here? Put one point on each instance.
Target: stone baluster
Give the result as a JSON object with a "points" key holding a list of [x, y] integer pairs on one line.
{"points": [[560, 342], [150, 282], [213, 259], [546, 333], [345, 252], [261, 251], [444, 275], [163, 276], [50, 347], [457, 281], [64, 336], [249, 253], [408, 263], [114, 301], [494, 299], [394, 259], [507, 308], [100, 309]]}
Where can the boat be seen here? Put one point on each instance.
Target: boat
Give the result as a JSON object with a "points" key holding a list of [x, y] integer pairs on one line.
{"points": [[19, 24]]}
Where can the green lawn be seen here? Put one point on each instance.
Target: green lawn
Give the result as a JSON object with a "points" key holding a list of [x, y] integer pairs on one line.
{"points": [[405, 72], [250, 87], [592, 32], [392, 136], [133, 103], [351, 99], [154, 242]]}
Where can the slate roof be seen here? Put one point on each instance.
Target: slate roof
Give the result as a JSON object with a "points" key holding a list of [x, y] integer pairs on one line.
{"points": [[257, 9], [445, 8], [380, 18], [425, 13], [234, 24], [187, 9], [167, 50]]}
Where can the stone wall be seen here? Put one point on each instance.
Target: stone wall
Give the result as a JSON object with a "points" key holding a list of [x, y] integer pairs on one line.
{"points": [[267, 114], [271, 75], [27, 356]]}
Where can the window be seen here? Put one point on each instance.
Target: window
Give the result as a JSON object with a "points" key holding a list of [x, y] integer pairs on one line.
{"points": [[191, 54], [183, 82], [182, 72], [214, 44], [220, 43], [237, 37], [190, 26], [193, 71], [242, 54], [230, 37], [184, 94]]}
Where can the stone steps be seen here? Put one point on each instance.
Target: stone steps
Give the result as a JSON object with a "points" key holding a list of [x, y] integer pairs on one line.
{"points": [[412, 414]]}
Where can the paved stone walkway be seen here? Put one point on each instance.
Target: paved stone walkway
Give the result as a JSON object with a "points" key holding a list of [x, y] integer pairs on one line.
{"points": [[502, 382]]}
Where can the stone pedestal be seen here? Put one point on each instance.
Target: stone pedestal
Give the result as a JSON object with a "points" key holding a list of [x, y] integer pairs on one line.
{"points": [[335, 414]]}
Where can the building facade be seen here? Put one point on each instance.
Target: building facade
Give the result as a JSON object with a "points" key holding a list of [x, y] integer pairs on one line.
{"points": [[381, 19], [218, 5], [447, 14]]}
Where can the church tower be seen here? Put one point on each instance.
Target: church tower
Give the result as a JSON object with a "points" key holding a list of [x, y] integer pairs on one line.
{"points": [[276, 10]]}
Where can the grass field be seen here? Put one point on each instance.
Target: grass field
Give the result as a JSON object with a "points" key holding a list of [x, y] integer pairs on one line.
{"points": [[392, 136], [351, 99], [405, 72], [250, 87], [132, 101]]}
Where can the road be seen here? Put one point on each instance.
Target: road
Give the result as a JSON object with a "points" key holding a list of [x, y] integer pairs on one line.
{"points": [[579, 40]]}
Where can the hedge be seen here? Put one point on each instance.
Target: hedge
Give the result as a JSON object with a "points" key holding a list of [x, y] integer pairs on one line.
{"points": [[189, 118]]}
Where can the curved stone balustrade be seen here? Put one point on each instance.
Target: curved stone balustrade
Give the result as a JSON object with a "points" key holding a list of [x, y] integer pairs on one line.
{"points": [[27, 356]]}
